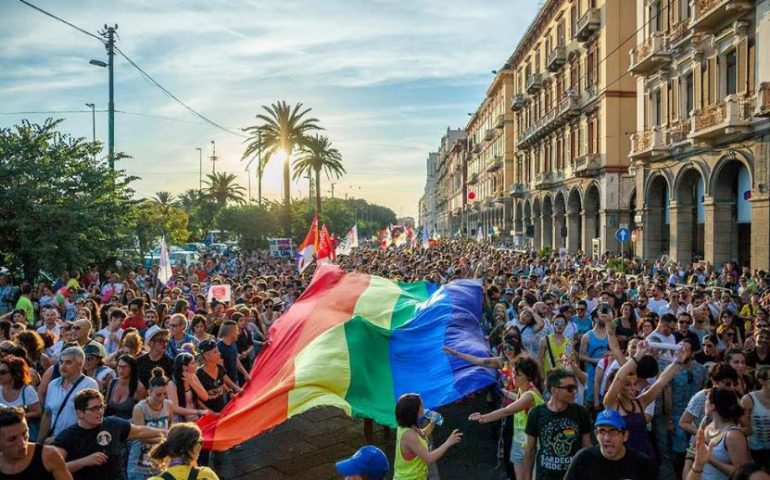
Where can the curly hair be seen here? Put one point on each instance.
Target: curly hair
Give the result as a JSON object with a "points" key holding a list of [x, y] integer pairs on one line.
{"points": [[18, 370]]}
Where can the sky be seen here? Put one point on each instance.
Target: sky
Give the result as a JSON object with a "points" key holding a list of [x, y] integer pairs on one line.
{"points": [[385, 78]]}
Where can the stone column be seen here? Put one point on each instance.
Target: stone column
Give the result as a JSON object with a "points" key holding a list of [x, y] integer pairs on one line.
{"points": [[760, 226], [573, 232], [558, 223], [547, 226], [589, 229], [680, 241], [719, 231]]}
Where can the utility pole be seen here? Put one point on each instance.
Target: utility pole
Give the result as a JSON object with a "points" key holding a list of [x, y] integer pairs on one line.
{"points": [[93, 122], [200, 169], [213, 157], [109, 33], [259, 164], [310, 189], [333, 184]]}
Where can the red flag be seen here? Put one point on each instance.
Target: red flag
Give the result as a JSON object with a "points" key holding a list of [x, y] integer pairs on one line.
{"points": [[326, 246], [309, 246]]}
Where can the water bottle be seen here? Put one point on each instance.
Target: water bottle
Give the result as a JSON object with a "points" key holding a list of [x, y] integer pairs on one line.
{"points": [[434, 417]]}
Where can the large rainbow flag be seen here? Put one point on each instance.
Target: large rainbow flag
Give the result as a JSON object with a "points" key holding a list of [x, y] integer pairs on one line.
{"points": [[358, 342]]}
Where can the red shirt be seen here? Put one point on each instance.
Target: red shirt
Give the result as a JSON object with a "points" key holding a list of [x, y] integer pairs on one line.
{"points": [[136, 322]]}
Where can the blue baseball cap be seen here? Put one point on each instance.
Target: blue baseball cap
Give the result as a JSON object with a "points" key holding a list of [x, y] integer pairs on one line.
{"points": [[368, 460], [610, 418]]}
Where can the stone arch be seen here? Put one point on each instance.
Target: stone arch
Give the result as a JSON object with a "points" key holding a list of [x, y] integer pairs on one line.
{"points": [[537, 221], [591, 208], [656, 217], [559, 220], [547, 234], [729, 205], [574, 223], [688, 215]]}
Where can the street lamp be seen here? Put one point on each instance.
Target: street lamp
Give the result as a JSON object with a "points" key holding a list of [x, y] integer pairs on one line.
{"points": [[110, 112], [200, 169]]}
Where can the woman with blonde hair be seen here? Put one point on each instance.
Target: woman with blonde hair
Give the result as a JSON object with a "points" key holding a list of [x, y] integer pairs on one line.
{"points": [[179, 452]]}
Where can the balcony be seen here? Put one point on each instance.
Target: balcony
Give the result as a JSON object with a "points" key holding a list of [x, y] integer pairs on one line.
{"points": [[517, 102], [679, 33], [731, 116], [588, 24], [495, 164], [590, 94], [489, 202], [518, 190], [707, 15], [476, 148], [534, 83], [473, 179], [586, 165], [569, 106], [649, 143], [649, 55], [556, 59], [540, 127], [763, 105], [543, 180], [679, 131], [500, 121], [489, 134]]}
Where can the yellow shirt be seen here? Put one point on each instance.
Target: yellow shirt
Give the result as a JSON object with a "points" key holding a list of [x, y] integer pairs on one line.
{"points": [[181, 472], [414, 469]]}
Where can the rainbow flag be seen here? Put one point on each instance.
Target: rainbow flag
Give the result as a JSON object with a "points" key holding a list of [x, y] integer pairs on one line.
{"points": [[358, 342]]}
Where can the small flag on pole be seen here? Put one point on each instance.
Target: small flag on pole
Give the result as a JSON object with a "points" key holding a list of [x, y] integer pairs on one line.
{"points": [[349, 243], [164, 264], [309, 246], [425, 237]]}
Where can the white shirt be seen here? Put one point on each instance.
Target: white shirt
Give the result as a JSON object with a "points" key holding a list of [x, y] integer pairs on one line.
{"points": [[654, 305], [27, 396], [110, 345], [56, 395]]}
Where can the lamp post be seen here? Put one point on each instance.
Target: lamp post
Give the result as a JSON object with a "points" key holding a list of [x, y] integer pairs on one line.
{"points": [[109, 34], [200, 169]]}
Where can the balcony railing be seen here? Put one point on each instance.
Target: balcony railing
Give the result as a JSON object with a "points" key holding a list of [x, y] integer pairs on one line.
{"points": [[489, 134], [476, 148], [500, 121], [556, 59], [678, 131], [517, 102], [679, 32], [763, 105], [586, 165], [494, 164], [518, 189], [650, 54], [709, 14], [590, 93], [588, 24], [538, 128], [543, 180], [724, 118], [534, 82], [473, 178], [569, 106], [649, 143]]}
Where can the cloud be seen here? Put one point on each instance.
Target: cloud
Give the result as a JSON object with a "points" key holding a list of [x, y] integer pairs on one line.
{"points": [[385, 77]]}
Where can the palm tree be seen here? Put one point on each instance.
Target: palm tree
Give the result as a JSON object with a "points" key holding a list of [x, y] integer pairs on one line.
{"points": [[188, 200], [221, 188], [164, 199], [319, 155], [283, 129]]}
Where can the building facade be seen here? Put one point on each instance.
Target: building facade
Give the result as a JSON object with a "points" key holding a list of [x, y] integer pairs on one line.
{"points": [[446, 179], [428, 201], [490, 162], [701, 148], [573, 105]]}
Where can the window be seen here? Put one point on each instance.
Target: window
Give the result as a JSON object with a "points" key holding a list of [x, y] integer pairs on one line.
{"points": [[573, 17], [689, 92], [656, 108], [560, 34], [591, 134], [574, 76], [573, 143], [731, 72]]}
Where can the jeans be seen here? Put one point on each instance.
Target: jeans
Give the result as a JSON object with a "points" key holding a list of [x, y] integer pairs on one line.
{"points": [[662, 439]]}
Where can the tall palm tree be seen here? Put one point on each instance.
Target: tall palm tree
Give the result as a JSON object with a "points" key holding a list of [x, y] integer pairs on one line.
{"points": [[318, 154], [188, 200], [221, 188], [164, 199], [283, 129]]}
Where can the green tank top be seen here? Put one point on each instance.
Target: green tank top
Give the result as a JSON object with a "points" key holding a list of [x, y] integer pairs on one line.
{"points": [[556, 350], [414, 469], [520, 419]]}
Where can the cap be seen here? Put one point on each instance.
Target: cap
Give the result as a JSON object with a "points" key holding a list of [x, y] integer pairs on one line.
{"points": [[611, 418], [152, 331], [368, 460], [96, 349], [207, 346]]}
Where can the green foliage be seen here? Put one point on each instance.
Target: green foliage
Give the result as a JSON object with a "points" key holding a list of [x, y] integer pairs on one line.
{"points": [[222, 189], [619, 265], [154, 220], [253, 224], [319, 155], [61, 208], [545, 252]]}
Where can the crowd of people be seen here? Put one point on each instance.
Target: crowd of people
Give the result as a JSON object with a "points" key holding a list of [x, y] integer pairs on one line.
{"points": [[657, 373]]}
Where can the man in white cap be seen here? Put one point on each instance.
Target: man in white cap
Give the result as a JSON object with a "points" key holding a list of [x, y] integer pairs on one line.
{"points": [[156, 339]]}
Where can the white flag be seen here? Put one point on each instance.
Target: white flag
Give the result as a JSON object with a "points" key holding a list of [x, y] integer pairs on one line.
{"points": [[164, 265], [425, 237], [349, 243], [480, 234]]}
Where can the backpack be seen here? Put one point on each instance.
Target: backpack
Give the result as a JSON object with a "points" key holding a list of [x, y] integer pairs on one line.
{"points": [[193, 475]]}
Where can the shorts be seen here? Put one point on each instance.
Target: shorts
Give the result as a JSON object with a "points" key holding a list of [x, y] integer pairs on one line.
{"points": [[517, 454]]}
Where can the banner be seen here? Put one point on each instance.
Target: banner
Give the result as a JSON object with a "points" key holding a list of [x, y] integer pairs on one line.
{"points": [[164, 264], [280, 247], [309, 246], [220, 293], [349, 243]]}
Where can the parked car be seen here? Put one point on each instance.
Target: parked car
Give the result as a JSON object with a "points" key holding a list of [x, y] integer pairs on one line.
{"points": [[195, 247], [219, 248]]}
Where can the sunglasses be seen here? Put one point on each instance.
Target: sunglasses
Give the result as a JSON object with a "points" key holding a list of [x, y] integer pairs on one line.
{"points": [[96, 408], [570, 388], [3, 371]]}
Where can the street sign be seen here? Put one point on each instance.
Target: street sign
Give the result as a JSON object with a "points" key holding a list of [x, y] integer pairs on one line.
{"points": [[622, 234]]}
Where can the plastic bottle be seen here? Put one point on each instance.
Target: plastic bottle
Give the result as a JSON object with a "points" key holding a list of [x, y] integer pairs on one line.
{"points": [[434, 417]]}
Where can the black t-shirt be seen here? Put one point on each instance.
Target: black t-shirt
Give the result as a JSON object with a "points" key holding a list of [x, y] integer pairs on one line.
{"points": [[109, 438], [215, 387], [559, 436], [145, 364], [244, 340], [590, 464], [229, 355], [753, 360], [692, 336], [701, 357]]}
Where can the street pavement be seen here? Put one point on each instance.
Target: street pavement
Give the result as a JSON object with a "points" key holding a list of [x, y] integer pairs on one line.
{"points": [[306, 447]]}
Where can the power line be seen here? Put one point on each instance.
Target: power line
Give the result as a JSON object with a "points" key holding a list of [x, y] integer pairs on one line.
{"points": [[175, 98], [25, 2]]}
